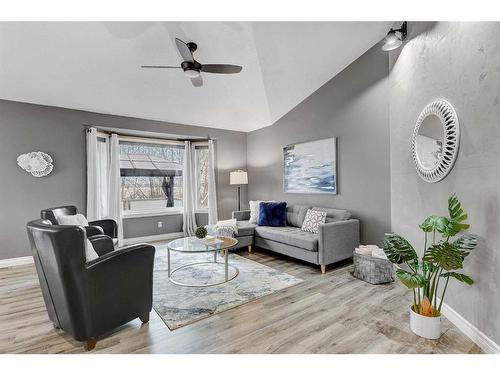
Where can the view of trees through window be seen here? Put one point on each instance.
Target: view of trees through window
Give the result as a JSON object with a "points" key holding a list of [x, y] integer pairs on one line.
{"points": [[202, 177], [151, 176]]}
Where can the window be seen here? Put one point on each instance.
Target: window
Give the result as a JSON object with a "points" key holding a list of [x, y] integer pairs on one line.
{"points": [[201, 160], [151, 176]]}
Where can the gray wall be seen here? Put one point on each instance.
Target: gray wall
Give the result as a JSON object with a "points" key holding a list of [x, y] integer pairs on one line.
{"points": [[148, 226], [59, 132], [353, 107], [461, 63]]}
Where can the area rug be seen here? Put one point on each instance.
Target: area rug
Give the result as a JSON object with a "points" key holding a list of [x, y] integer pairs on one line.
{"points": [[179, 305]]}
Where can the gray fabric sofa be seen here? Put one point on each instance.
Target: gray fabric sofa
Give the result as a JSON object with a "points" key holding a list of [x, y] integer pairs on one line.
{"points": [[335, 241]]}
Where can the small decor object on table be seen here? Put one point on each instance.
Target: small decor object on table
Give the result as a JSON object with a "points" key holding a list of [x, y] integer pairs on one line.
{"points": [[438, 264], [201, 232], [371, 265]]}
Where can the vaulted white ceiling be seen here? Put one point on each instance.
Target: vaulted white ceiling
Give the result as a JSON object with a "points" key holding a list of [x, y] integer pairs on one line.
{"points": [[95, 66]]}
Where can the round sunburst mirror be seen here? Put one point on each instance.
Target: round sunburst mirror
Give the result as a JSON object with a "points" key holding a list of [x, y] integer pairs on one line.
{"points": [[436, 140]]}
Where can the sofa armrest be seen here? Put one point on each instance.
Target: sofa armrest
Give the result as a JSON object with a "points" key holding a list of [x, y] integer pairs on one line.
{"points": [[109, 226], [241, 215], [102, 244], [337, 240]]}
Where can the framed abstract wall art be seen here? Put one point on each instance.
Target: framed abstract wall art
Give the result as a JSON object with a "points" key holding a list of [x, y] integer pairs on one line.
{"points": [[310, 167]]}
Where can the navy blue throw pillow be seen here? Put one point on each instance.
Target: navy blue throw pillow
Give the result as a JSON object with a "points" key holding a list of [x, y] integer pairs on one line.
{"points": [[272, 214]]}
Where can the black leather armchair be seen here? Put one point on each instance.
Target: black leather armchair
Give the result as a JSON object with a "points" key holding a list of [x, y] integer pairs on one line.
{"points": [[84, 299], [108, 227]]}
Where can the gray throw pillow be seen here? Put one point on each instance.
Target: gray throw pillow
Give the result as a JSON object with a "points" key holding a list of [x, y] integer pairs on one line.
{"points": [[313, 220]]}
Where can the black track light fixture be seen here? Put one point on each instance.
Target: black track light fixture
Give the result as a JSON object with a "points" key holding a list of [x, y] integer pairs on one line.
{"points": [[395, 38]]}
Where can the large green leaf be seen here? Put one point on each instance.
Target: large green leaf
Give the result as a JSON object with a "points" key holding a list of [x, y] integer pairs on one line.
{"points": [[411, 280], [437, 223], [398, 249], [444, 255], [457, 217], [459, 276], [466, 243]]}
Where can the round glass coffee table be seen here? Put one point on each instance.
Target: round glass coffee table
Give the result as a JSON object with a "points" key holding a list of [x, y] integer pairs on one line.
{"points": [[195, 245]]}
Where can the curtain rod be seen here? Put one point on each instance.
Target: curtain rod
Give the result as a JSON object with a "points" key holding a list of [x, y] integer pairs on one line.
{"points": [[105, 133]]}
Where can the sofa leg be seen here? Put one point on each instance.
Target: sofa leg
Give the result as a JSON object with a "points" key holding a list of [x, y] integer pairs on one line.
{"points": [[90, 344], [144, 318], [249, 248], [323, 268]]}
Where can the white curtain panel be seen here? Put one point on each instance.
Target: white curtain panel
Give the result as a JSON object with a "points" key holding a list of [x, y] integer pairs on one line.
{"points": [[212, 192], [102, 176], [114, 195], [93, 188], [189, 195]]}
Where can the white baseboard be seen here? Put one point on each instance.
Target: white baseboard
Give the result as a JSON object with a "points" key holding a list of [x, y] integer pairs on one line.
{"points": [[11, 262], [158, 237], [472, 332]]}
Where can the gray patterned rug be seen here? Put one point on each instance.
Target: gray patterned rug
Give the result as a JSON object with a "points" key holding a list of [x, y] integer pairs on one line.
{"points": [[179, 305]]}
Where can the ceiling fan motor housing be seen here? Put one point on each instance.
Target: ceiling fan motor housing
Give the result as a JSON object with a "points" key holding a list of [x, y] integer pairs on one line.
{"points": [[192, 46], [188, 65]]}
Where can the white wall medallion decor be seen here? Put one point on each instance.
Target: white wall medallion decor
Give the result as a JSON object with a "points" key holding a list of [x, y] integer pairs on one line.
{"points": [[435, 141], [38, 163]]}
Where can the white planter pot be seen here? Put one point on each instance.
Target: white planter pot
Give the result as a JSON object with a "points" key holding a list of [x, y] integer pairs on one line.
{"points": [[425, 326]]}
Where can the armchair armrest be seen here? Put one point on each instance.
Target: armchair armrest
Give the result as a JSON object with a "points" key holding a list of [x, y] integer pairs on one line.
{"points": [[123, 256], [109, 226], [121, 285], [241, 215], [102, 244], [337, 240], [93, 230]]}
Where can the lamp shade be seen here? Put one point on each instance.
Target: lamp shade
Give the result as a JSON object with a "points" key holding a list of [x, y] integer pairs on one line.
{"points": [[238, 178]]}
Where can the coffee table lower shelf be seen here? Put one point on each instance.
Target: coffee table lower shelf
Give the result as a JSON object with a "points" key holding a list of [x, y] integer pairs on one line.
{"points": [[226, 265]]}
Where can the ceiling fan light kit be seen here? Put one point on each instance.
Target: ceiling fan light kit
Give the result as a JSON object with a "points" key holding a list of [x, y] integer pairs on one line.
{"points": [[192, 68]]}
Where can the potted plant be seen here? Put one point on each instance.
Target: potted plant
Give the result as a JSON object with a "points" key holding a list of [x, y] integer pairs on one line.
{"points": [[201, 232], [428, 276]]}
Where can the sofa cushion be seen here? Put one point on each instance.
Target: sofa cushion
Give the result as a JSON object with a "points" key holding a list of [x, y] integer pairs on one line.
{"points": [[289, 235], [295, 215], [272, 214], [334, 214], [254, 211], [245, 228], [313, 220]]}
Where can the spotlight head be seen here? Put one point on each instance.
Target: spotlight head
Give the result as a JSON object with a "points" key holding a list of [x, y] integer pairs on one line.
{"points": [[394, 38]]}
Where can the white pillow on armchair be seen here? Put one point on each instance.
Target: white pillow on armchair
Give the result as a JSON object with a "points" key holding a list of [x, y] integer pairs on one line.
{"points": [[77, 219]]}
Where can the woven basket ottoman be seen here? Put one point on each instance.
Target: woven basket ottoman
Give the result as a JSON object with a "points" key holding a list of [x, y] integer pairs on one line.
{"points": [[372, 270]]}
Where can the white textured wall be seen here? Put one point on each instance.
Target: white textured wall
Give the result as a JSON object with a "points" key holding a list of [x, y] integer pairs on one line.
{"points": [[461, 63]]}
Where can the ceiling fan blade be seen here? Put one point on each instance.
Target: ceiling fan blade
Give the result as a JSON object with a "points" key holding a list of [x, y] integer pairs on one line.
{"points": [[221, 68], [184, 50], [160, 66], [197, 82]]}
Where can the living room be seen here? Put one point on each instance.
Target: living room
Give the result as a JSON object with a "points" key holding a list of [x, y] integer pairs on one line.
{"points": [[243, 187]]}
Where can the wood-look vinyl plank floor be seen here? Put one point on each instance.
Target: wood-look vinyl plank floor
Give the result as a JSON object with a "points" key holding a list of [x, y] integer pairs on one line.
{"points": [[331, 313]]}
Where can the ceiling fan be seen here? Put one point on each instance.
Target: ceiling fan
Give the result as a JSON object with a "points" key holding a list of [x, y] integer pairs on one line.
{"points": [[193, 68]]}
